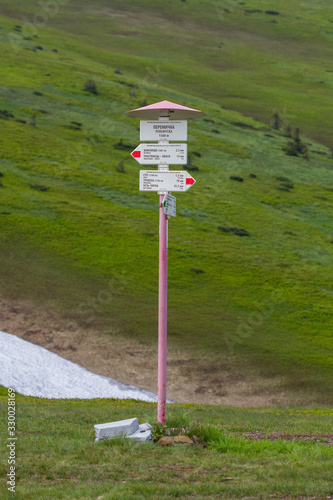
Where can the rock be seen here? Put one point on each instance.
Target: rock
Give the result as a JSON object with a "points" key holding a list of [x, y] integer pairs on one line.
{"points": [[169, 440], [111, 429], [142, 435]]}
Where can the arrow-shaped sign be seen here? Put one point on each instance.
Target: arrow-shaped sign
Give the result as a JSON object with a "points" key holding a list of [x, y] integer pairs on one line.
{"points": [[170, 180], [159, 154]]}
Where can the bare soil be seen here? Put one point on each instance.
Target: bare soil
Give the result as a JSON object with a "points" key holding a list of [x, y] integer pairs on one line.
{"points": [[322, 438], [191, 379]]}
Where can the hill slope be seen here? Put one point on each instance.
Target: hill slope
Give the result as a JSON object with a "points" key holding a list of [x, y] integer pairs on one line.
{"points": [[77, 235]]}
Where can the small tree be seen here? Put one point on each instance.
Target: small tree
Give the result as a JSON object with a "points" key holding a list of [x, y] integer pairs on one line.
{"points": [[276, 121], [32, 120], [296, 147], [90, 86]]}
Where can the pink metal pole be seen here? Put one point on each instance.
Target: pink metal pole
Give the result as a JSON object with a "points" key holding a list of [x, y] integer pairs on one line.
{"points": [[162, 314]]}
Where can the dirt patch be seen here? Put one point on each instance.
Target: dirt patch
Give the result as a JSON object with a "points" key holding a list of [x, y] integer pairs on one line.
{"points": [[190, 379], [292, 497], [316, 437]]}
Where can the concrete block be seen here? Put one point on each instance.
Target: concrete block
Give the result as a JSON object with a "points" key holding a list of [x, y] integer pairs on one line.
{"points": [[121, 427], [142, 435]]}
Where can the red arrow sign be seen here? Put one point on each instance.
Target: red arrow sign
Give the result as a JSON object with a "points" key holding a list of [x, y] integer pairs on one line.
{"points": [[190, 180], [165, 181], [160, 154]]}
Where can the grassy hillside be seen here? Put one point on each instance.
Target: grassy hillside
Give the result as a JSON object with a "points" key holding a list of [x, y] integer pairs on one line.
{"points": [[77, 234], [259, 453], [255, 57]]}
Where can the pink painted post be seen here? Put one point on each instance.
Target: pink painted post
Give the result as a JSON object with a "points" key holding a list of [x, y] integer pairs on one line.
{"points": [[162, 111], [162, 314]]}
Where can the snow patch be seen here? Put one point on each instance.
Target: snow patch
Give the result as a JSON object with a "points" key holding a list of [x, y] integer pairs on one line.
{"points": [[32, 370]]}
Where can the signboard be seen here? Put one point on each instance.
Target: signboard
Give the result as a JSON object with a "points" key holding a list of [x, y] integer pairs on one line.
{"points": [[171, 130], [169, 180], [159, 154], [169, 205]]}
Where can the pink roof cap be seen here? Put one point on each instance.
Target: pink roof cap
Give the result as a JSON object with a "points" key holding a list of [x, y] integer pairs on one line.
{"points": [[165, 108]]}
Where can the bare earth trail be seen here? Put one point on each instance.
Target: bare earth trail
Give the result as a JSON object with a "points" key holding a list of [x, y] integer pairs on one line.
{"points": [[190, 379]]}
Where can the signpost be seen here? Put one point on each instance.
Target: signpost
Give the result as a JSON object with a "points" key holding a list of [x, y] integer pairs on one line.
{"points": [[169, 205], [158, 154], [167, 131], [159, 127], [170, 180]]}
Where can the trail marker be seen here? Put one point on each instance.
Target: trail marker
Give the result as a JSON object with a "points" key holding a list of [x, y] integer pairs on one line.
{"points": [[163, 131], [159, 127], [169, 205], [170, 180], [158, 154]]}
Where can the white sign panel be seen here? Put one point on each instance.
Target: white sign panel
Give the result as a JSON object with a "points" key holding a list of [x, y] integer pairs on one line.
{"points": [[159, 154], [172, 130], [169, 205], [169, 180]]}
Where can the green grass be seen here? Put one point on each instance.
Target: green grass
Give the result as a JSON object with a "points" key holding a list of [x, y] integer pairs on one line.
{"points": [[249, 61], [87, 246], [57, 456]]}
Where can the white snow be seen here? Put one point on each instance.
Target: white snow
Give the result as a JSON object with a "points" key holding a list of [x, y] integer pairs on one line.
{"points": [[34, 371]]}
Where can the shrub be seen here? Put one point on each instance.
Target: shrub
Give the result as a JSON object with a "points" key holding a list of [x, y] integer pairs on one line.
{"points": [[296, 147], [243, 125], [235, 230], [32, 120], [283, 179], [4, 114], [73, 127], [241, 232], [38, 187], [189, 165], [90, 86], [121, 145], [121, 168], [276, 121]]}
